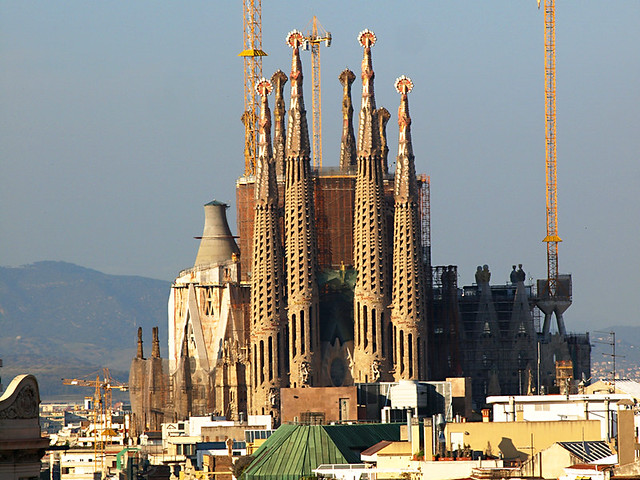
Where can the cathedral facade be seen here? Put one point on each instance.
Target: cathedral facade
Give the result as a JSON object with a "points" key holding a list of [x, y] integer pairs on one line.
{"points": [[330, 282], [318, 293]]}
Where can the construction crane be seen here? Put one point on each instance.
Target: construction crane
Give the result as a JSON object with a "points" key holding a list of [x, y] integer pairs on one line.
{"points": [[553, 301], [252, 54], [315, 36], [102, 431]]}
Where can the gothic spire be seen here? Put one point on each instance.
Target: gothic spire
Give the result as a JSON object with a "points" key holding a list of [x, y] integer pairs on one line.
{"points": [[406, 187], [297, 130], [408, 313], [266, 186], [348, 142], [368, 141], [278, 79], [300, 245], [372, 342]]}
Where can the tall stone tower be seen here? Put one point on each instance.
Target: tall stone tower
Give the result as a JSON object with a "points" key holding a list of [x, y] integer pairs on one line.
{"points": [[267, 280], [371, 297], [348, 141], [408, 314], [300, 236]]}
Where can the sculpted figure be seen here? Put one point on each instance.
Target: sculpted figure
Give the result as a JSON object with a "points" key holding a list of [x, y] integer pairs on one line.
{"points": [[273, 397], [305, 373], [520, 273], [375, 370], [479, 275], [513, 277]]}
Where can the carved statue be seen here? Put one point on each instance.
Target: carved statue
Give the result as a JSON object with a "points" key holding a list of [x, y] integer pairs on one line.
{"points": [[305, 373], [486, 273], [274, 401], [513, 277], [375, 370], [521, 275]]}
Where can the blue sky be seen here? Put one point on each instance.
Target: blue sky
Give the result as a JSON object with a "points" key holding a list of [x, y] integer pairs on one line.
{"points": [[120, 119]]}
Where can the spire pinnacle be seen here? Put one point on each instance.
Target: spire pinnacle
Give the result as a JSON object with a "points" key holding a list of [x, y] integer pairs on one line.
{"points": [[348, 143], [405, 184], [140, 353], [155, 352], [368, 141], [297, 130], [266, 187], [278, 80], [383, 119]]}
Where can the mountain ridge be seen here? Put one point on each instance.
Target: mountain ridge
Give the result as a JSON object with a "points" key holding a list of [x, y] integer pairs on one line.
{"points": [[58, 319]]}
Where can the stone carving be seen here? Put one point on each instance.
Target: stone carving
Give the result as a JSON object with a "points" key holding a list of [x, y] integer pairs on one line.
{"points": [[517, 275], [274, 398], [24, 406], [483, 275], [305, 373], [376, 370]]}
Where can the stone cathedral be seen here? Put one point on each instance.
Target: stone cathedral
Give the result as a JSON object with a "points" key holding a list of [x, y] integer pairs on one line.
{"points": [[288, 308], [330, 280]]}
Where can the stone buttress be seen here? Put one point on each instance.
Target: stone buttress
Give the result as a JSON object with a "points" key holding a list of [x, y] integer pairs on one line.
{"points": [[300, 236], [372, 342]]}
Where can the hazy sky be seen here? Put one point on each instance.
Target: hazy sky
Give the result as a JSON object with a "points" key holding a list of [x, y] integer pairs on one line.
{"points": [[120, 119]]}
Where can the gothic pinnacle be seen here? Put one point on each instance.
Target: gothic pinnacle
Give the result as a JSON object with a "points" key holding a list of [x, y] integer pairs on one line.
{"points": [[348, 142], [405, 184], [368, 141], [266, 187], [297, 130], [278, 80]]}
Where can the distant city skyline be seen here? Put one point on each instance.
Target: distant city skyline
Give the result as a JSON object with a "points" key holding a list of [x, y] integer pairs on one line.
{"points": [[120, 121]]}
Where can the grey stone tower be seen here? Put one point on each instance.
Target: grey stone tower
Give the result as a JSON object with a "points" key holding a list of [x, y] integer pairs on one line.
{"points": [[300, 236], [408, 314], [371, 296], [267, 280]]}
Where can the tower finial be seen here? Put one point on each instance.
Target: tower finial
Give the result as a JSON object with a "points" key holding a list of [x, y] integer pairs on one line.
{"points": [[266, 188], [368, 140], [405, 184], [297, 130]]}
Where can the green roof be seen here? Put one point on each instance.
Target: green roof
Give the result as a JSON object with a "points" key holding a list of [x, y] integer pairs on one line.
{"points": [[293, 451]]}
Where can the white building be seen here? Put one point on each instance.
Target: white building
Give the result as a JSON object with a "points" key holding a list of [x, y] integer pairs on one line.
{"points": [[540, 408]]}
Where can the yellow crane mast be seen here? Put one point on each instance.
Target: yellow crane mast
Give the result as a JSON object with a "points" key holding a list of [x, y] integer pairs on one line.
{"points": [[552, 239], [252, 55], [101, 412], [315, 36]]}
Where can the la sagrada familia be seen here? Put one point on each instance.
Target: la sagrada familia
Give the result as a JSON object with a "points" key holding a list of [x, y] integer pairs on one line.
{"points": [[330, 283]]}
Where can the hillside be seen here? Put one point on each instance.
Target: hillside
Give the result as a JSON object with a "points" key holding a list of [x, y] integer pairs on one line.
{"points": [[61, 320]]}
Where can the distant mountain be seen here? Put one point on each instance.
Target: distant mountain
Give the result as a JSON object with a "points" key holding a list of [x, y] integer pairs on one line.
{"points": [[61, 320]]}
